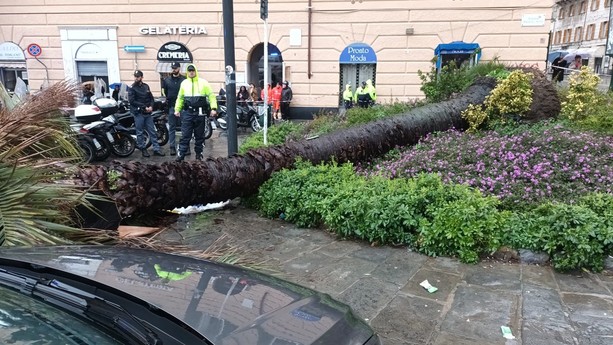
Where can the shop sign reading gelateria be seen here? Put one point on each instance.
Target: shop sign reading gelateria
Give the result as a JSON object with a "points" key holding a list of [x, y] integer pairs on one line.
{"points": [[173, 30]]}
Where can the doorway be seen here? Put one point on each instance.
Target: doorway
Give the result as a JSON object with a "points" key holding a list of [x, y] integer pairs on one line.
{"points": [[255, 69]]}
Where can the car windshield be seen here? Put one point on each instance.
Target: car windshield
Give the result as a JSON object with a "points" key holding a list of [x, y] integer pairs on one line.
{"points": [[26, 320]]}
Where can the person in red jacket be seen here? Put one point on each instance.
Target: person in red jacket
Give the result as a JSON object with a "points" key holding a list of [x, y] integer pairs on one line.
{"points": [[276, 93]]}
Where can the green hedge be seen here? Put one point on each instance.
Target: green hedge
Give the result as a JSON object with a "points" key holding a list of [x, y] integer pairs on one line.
{"points": [[436, 218]]}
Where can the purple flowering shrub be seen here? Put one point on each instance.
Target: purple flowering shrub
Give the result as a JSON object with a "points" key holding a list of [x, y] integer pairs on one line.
{"points": [[521, 170]]}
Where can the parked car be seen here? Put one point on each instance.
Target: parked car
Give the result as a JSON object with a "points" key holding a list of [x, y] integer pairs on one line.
{"points": [[104, 294]]}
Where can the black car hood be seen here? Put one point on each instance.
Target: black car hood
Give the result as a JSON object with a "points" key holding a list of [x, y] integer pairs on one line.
{"points": [[224, 303]]}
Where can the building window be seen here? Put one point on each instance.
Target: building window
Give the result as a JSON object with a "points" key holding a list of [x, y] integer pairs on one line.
{"points": [[589, 32], [9, 77], [557, 38], [561, 13], [604, 29], [583, 7], [578, 33], [567, 35], [595, 5], [571, 10]]}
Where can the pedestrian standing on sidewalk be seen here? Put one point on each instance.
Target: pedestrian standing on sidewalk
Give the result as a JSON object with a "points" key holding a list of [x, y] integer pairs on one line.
{"points": [[286, 98], [171, 87], [275, 94], [141, 106], [195, 101]]}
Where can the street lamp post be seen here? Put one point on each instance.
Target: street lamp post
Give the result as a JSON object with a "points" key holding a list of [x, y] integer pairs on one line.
{"points": [[264, 17], [230, 62]]}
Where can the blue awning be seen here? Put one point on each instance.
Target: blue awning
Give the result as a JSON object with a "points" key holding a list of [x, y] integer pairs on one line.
{"points": [[456, 47]]}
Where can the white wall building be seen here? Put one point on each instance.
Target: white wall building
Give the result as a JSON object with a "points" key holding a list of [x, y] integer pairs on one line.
{"points": [[582, 27]]}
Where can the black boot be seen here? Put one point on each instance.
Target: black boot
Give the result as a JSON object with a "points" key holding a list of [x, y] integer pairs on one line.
{"points": [[145, 153], [173, 151], [159, 153], [199, 156], [179, 158]]}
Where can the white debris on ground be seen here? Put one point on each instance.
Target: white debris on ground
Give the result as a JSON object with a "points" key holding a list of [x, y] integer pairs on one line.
{"points": [[200, 208]]}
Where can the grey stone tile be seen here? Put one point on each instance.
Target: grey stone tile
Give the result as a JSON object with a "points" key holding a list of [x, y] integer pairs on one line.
{"points": [[591, 315], [478, 312], [373, 254], [539, 334], [445, 338], [448, 265], [494, 275], [368, 296], [399, 266], [339, 249], [301, 267], [292, 248], [581, 282], [544, 318], [444, 282], [407, 318], [538, 275], [336, 277]]}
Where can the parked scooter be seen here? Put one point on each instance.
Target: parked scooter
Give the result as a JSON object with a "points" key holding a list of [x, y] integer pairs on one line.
{"points": [[249, 116], [111, 136]]}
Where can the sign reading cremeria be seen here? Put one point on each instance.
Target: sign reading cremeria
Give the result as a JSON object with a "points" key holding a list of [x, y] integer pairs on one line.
{"points": [[172, 30]]}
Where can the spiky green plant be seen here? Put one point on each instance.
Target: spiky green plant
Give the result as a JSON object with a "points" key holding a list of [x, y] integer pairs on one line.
{"points": [[36, 154]]}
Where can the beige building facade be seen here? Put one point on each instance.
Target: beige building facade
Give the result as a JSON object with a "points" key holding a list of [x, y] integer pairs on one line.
{"points": [[317, 45]]}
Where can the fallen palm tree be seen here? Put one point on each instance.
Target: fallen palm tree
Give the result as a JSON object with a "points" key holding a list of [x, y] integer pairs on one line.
{"points": [[138, 188]]}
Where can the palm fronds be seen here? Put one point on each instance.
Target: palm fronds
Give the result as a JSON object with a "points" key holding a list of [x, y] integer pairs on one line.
{"points": [[38, 199], [34, 132]]}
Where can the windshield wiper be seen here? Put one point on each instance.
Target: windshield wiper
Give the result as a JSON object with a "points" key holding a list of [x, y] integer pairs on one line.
{"points": [[97, 309]]}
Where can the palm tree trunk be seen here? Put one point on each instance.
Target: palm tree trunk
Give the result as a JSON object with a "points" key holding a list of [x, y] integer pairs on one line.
{"points": [[144, 188]]}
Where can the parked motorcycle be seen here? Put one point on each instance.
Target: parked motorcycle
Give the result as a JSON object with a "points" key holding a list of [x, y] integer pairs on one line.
{"points": [[88, 144], [110, 136], [160, 120], [249, 116]]}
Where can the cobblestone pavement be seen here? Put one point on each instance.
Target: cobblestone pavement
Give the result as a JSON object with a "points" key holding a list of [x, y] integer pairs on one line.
{"points": [[382, 284]]}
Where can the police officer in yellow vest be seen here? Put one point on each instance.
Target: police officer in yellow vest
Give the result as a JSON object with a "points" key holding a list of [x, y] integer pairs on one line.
{"points": [[348, 97], [195, 100]]}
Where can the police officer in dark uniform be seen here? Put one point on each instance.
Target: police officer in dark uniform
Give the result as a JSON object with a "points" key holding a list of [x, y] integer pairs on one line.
{"points": [[171, 87], [141, 106]]}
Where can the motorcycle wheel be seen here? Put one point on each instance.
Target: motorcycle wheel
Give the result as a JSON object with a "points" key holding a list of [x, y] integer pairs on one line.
{"points": [[87, 150], [162, 132], [124, 145], [208, 129], [104, 152], [223, 124], [255, 125]]}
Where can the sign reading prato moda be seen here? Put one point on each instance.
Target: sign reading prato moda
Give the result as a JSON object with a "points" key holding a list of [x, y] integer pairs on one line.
{"points": [[358, 53], [173, 30]]}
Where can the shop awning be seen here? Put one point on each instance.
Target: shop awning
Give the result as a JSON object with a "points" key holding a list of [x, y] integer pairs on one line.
{"points": [[12, 64], [164, 67], [456, 47]]}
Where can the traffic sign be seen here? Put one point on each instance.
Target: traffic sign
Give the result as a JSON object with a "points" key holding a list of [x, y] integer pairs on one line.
{"points": [[34, 50]]}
